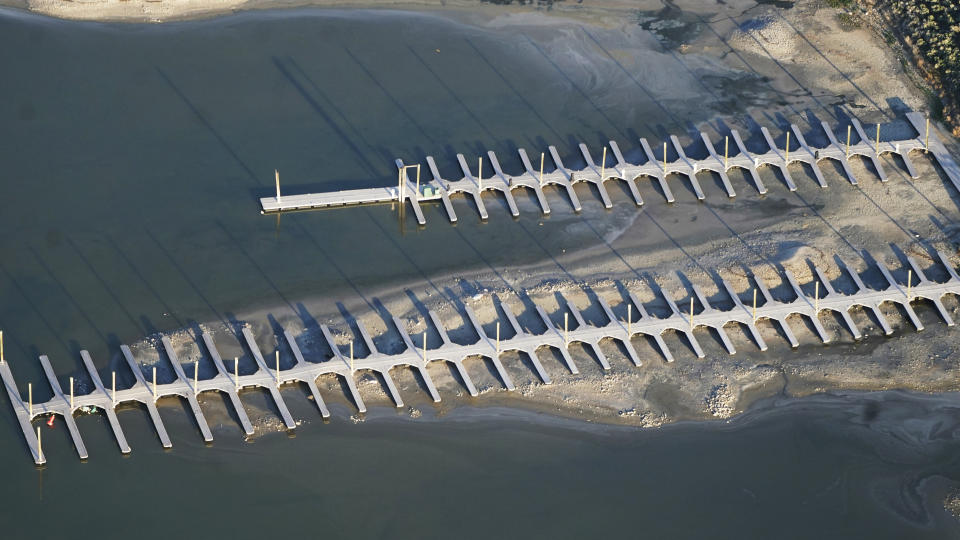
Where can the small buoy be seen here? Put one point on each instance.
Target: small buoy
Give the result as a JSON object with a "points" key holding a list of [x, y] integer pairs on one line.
{"points": [[436, 50], [50, 421]]}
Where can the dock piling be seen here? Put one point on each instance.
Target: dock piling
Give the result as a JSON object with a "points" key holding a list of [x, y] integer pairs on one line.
{"points": [[909, 284], [196, 376], [926, 148], [277, 174], [480, 174], [566, 329], [603, 164], [664, 157], [848, 141], [726, 149], [424, 347], [498, 338], [691, 313], [787, 160], [71, 394], [154, 384], [30, 397], [40, 445], [816, 298], [113, 379], [277, 355], [418, 181], [1, 346], [236, 372], [629, 320], [541, 168], [351, 356], [876, 148], [754, 306]]}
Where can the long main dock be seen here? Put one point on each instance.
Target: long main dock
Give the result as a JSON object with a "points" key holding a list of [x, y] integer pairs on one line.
{"points": [[701, 314], [656, 166]]}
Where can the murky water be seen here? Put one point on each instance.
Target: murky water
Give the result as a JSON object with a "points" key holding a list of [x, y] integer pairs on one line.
{"points": [[873, 466], [133, 157]]}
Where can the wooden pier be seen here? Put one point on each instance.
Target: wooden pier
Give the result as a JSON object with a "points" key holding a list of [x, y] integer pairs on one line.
{"points": [[559, 336], [474, 184]]}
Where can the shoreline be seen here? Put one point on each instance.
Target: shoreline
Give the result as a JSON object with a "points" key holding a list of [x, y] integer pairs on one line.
{"points": [[168, 11]]}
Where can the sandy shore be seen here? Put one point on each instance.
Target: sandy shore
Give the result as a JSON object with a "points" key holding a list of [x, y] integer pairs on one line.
{"points": [[174, 10], [828, 67]]}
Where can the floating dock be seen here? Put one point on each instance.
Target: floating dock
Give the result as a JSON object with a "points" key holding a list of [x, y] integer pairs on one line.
{"points": [[656, 167], [417, 356]]}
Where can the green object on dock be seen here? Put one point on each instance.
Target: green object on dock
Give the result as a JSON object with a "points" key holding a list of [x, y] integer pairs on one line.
{"points": [[427, 191]]}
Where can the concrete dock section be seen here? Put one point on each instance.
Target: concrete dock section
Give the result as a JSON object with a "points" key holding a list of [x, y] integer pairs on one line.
{"points": [[488, 177], [562, 329]]}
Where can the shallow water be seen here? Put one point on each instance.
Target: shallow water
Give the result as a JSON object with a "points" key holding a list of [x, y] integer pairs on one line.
{"points": [[872, 466], [132, 160], [134, 157]]}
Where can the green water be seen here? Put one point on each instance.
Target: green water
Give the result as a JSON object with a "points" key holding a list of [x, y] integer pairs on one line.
{"points": [[133, 157]]}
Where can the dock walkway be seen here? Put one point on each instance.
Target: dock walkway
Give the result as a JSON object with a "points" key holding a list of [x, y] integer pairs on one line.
{"points": [[657, 166], [514, 338]]}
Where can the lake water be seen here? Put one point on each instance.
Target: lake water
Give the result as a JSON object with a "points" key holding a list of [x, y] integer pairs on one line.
{"points": [[872, 466], [132, 160]]}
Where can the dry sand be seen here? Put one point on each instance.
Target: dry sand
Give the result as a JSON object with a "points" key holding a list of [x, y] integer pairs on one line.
{"points": [[810, 62]]}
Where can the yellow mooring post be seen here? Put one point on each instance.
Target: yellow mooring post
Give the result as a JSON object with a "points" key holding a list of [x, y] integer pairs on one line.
{"points": [[787, 160], [71, 394], [877, 147], [848, 142], [603, 164], [277, 175], [566, 329], [726, 149], [909, 284], [754, 306], [480, 174], [816, 298], [418, 181], [498, 337], [400, 185], [541, 168], [926, 148]]}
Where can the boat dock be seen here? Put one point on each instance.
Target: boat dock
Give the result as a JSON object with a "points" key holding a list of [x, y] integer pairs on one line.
{"points": [[657, 166], [417, 355]]}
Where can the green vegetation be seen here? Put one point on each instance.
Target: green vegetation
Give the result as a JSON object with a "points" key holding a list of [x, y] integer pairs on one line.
{"points": [[932, 29], [848, 21]]}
